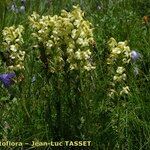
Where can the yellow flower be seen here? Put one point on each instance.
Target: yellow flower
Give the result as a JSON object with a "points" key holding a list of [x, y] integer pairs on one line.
{"points": [[49, 44], [119, 78], [73, 66], [112, 93], [86, 54], [116, 78], [125, 60], [78, 55], [74, 33], [77, 23], [125, 90], [112, 42], [120, 70], [116, 51], [12, 38], [13, 56], [79, 41], [89, 67], [70, 50], [124, 76], [13, 48], [122, 44], [77, 13], [64, 13]]}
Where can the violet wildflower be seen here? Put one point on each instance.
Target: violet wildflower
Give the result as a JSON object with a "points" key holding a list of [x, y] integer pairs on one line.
{"points": [[135, 55], [22, 9], [7, 79]]}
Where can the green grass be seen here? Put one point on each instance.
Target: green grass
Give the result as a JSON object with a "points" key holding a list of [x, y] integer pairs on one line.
{"points": [[75, 106]]}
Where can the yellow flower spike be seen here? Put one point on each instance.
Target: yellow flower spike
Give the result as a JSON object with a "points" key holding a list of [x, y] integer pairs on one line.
{"points": [[12, 38], [68, 31], [120, 54]]}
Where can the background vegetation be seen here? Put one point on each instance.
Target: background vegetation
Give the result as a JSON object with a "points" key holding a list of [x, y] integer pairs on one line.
{"points": [[77, 106]]}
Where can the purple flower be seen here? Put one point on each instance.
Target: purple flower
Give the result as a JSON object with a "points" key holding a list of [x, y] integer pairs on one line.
{"points": [[135, 55], [7, 78]]}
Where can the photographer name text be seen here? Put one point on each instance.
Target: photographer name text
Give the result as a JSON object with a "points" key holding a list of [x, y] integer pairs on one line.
{"points": [[51, 143]]}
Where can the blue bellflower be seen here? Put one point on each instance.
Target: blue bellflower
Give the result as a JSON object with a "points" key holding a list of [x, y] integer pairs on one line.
{"points": [[7, 79], [135, 55]]}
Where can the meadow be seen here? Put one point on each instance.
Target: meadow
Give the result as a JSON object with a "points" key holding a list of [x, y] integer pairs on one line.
{"points": [[75, 70]]}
